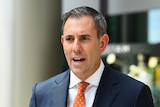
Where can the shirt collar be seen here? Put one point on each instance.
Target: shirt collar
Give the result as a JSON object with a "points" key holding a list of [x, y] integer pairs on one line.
{"points": [[93, 79]]}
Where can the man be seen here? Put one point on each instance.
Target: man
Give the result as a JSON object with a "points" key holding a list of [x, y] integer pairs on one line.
{"points": [[84, 39]]}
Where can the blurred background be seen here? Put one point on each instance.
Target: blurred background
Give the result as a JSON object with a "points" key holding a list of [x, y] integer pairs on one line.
{"points": [[30, 48]]}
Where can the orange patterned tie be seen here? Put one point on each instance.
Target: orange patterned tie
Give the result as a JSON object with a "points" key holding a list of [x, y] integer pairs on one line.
{"points": [[79, 101]]}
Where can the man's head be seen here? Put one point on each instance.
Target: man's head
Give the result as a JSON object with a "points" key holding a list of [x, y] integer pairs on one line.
{"points": [[84, 39]]}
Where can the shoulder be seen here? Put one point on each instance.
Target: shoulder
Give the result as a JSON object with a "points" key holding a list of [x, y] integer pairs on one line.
{"points": [[139, 93], [43, 91], [53, 81], [123, 79], [137, 90], [124, 82]]}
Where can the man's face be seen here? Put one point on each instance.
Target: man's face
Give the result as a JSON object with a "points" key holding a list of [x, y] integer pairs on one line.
{"points": [[81, 46]]}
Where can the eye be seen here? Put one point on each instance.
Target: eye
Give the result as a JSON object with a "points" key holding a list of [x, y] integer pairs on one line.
{"points": [[85, 37], [69, 38]]}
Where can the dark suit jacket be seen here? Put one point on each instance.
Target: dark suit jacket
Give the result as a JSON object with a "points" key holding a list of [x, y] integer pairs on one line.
{"points": [[115, 90]]}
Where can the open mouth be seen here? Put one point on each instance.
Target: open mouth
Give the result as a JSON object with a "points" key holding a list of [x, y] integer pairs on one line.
{"points": [[78, 59]]}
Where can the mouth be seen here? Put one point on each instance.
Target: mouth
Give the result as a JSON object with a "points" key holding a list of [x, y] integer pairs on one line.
{"points": [[78, 59]]}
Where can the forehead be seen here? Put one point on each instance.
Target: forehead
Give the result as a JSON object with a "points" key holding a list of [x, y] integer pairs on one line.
{"points": [[83, 22]]}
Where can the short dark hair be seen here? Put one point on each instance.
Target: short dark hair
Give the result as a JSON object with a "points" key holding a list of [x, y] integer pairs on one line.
{"points": [[100, 21]]}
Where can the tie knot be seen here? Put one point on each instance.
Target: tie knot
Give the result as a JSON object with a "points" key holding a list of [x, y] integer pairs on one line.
{"points": [[82, 86]]}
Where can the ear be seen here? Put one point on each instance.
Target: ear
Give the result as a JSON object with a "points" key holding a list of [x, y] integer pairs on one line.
{"points": [[104, 42], [62, 39]]}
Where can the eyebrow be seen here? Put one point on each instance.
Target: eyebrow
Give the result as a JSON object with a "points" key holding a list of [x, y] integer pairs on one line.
{"points": [[68, 35], [83, 35]]}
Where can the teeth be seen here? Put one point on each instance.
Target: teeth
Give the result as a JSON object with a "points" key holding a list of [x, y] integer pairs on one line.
{"points": [[77, 58]]}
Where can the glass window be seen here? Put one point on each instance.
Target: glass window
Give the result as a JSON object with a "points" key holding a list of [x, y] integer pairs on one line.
{"points": [[154, 26]]}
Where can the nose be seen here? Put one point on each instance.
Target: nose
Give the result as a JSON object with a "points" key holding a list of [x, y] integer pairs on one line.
{"points": [[76, 46]]}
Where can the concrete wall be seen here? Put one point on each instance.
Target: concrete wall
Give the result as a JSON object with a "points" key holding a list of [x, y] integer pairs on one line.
{"points": [[116, 7], [70, 4]]}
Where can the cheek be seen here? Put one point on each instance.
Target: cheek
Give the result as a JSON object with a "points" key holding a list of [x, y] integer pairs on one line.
{"points": [[94, 51], [66, 50]]}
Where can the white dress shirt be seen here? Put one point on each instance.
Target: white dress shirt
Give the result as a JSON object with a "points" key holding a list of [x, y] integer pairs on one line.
{"points": [[90, 91]]}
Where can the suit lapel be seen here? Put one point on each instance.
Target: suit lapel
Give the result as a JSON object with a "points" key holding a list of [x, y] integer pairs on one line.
{"points": [[60, 92], [107, 90]]}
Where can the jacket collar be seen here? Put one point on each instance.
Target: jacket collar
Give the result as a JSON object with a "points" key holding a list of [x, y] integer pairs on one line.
{"points": [[107, 90], [60, 92]]}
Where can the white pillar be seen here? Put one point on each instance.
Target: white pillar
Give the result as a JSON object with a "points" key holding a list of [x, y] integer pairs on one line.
{"points": [[37, 45], [6, 52]]}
